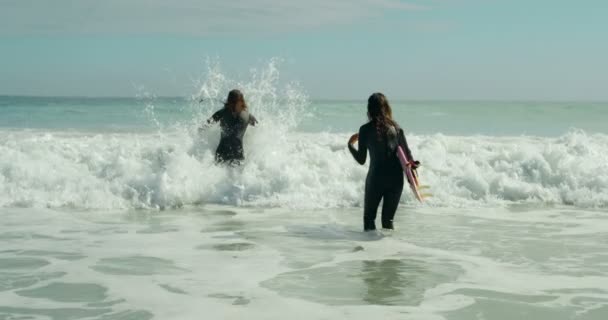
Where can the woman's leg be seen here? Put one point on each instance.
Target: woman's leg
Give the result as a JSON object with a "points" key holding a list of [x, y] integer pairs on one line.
{"points": [[392, 196], [373, 195], [229, 152]]}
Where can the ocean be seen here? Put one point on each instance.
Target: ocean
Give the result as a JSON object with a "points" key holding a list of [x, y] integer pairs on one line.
{"points": [[113, 208]]}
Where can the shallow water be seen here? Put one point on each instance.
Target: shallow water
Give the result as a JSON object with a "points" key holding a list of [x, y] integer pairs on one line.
{"points": [[229, 263], [113, 208]]}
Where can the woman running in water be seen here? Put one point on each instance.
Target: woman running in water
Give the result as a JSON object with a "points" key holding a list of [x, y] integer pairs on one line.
{"points": [[381, 136], [234, 119]]}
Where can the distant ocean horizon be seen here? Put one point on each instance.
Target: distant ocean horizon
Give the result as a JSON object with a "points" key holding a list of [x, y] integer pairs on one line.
{"points": [[522, 145], [314, 99], [545, 118]]}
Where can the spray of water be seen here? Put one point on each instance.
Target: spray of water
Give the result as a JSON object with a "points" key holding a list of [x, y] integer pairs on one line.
{"points": [[174, 165]]}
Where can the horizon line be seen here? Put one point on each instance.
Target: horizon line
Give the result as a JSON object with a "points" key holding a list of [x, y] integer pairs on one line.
{"points": [[320, 99]]}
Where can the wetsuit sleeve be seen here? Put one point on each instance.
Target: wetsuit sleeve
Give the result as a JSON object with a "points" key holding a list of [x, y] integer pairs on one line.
{"points": [[360, 154], [406, 148], [215, 117], [252, 120]]}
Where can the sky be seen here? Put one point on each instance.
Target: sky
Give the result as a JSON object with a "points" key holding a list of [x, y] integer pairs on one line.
{"points": [[341, 49]]}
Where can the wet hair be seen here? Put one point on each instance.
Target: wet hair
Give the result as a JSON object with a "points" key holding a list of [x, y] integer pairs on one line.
{"points": [[380, 114], [235, 96]]}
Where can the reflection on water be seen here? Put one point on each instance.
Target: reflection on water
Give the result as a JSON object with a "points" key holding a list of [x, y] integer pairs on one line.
{"points": [[442, 263], [369, 282], [392, 282], [383, 280]]}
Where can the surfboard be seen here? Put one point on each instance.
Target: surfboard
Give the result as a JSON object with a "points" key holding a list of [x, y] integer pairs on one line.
{"points": [[410, 174]]}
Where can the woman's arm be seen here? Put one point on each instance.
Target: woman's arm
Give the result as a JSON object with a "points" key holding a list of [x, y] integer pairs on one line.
{"points": [[214, 118], [252, 120], [406, 148], [360, 154]]}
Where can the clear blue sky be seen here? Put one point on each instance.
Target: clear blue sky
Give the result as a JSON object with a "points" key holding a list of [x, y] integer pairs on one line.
{"points": [[433, 49]]}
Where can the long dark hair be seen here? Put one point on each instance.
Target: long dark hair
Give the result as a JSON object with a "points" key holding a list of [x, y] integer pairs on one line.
{"points": [[380, 113], [235, 96]]}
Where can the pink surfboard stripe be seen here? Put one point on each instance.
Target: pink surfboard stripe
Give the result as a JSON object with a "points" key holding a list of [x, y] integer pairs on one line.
{"points": [[407, 168]]}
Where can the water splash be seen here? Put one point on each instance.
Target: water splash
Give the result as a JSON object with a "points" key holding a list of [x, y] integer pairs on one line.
{"points": [[175, 166]]}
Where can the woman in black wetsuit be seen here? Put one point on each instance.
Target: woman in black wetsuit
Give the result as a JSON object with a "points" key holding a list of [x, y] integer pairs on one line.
{"points": [[381, 136], [234, 119]]}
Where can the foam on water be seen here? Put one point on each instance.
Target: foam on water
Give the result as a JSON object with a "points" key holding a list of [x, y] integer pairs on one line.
{"points": [[518, 245], [174, 166], [233, 263], [41, 169]]}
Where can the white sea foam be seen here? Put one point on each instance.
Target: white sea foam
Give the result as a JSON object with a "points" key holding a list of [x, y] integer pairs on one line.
{"points": [[290, 169], [284, 167]]}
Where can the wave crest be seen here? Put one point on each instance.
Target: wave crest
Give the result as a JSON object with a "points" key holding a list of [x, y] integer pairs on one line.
{"points": [[296, 170]]}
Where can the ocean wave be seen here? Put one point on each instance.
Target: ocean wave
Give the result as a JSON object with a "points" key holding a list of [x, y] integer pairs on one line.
{"points": [[296, 170], [174, 166]]}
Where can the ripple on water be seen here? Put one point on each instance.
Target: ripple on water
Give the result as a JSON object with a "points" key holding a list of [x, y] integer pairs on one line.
{"points": [[105, 304], [491, 294], [158, 229], [376, 282], [136, 265], [12, 281], [172, 289], [128, 315], [237, 246], [52, 313], [61, 255], [236, 300], [12, 235], [224, 213], [12, 313], [226, 225], [485, 308], [67, 292], [22, 263]]}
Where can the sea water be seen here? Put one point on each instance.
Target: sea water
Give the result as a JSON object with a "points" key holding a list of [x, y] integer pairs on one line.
{"points": [[113, 208]]}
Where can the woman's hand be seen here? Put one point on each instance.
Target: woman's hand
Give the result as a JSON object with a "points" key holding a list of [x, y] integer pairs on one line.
{"points": [[205, 126], [415, 164], [353, 138]]}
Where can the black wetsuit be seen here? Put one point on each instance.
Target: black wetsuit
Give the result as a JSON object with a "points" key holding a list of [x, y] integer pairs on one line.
{"points": [[233, 127], [385, 175]]}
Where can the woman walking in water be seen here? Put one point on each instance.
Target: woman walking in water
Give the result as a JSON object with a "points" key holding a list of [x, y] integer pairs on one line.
{"points": [[234, 119], [381, 136]]}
